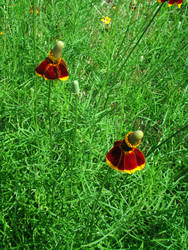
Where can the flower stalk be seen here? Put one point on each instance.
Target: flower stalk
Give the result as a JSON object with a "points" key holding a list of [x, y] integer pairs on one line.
{"points": [[130, 53], [49, 116], [138, 41]]}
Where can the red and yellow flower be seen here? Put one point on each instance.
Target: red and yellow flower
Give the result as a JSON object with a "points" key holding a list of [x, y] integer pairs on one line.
{"points": [[53, 67], [171, 2], [124, 156]]}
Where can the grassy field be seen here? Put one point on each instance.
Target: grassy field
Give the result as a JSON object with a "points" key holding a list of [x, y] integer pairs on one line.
{"points": [[57, 192]]}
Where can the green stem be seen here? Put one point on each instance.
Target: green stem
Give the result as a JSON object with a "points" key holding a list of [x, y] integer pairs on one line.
{"points": [[95, 203], [163, 142], [34, 30], [144, 31], [132, 50], [121, 44], [34, 55], [49, 115]]}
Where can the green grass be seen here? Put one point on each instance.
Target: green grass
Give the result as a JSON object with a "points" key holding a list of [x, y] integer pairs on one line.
{"points": [[61, 194]]}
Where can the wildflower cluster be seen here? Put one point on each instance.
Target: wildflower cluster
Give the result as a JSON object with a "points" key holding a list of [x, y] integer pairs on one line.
{"points": [[124, 156]]}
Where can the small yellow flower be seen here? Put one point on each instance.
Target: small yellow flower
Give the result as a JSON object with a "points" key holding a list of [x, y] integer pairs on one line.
{"points": [[106, 20], [1, 33]]}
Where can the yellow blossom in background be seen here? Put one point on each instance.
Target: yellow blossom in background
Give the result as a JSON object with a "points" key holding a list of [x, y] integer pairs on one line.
{"points": [[31, 10], [106, 20], [1, 33]]}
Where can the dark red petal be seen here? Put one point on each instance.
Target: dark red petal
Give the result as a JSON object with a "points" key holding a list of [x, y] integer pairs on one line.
{"points": [[133, 159], [51, 72], [130, 161], [171, 2], [41, 68], [113, 156], [62, 70], [118, 143], [139, 157]]}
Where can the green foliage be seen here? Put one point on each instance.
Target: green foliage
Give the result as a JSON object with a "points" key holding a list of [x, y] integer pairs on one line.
{"points": [[60, 193]]}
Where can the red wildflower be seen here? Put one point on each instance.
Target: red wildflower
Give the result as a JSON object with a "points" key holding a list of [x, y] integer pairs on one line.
{"points": [[171, 2], [53, 67], [124, 156]]}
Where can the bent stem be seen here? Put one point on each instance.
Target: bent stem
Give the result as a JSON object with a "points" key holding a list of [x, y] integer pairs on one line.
{"points": [[130, 53], [144, 31], [164, 141]]}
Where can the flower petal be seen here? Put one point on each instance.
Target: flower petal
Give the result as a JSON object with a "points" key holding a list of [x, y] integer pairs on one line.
{"points": [[51, 72], [113, 155], [63, 73], [41, 68]]}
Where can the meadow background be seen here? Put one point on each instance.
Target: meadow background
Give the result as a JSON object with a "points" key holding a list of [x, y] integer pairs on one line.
{"points": [[61, 194]]}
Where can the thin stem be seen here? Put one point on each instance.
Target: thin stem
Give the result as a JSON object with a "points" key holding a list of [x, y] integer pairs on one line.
{"points": [[49, 115], [34, 30], [144, 31], [34, 55], [95, 203], [121, 44], [132, 50], [163, 142]]}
